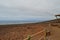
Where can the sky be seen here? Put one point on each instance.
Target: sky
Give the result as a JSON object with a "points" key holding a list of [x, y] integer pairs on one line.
{"points": [[29, 9]]}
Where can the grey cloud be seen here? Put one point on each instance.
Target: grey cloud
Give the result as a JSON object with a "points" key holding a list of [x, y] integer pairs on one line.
{"points": [[29, 8], [19, 12]]}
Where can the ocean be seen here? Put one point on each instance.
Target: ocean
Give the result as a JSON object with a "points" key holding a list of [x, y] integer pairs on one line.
{"points": [[16, 22]]}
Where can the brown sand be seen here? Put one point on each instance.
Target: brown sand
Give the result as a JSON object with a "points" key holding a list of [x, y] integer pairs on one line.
{"points": [[18, 31], [21, 31]]}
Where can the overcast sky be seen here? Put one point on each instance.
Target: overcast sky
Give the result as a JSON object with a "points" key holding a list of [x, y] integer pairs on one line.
{"points": [[25, 9]]}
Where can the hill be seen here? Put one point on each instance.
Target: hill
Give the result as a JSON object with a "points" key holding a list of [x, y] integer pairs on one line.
{"points": [[21, 31]]}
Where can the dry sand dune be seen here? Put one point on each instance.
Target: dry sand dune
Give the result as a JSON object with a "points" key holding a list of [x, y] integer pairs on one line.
{"points": [[21, 31], [18, 32]]}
